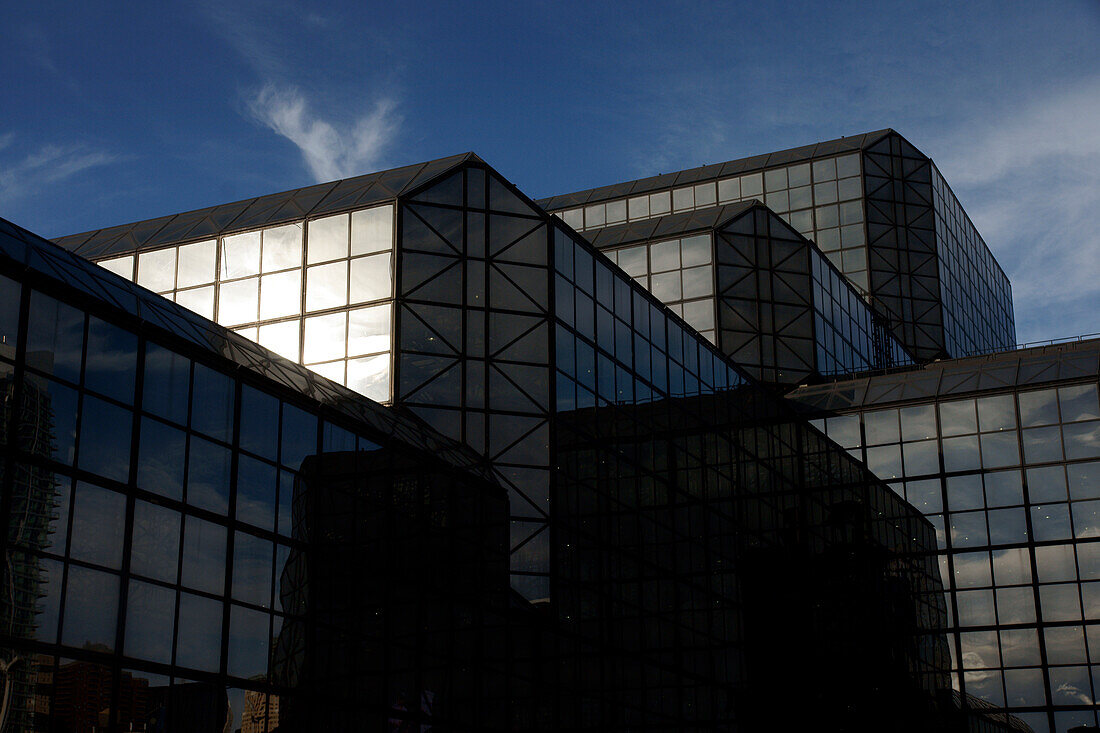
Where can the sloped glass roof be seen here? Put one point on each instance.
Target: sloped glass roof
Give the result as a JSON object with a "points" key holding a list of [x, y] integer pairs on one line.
{"points": [[21, 249], [276, 208], [715, 170]]}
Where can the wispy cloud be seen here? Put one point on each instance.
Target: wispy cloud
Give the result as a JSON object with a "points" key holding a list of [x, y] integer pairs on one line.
{"points": [[330, 150], [26, 175], [1031, 183]]}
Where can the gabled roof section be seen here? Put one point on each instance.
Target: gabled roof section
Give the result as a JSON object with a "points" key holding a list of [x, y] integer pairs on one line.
{"points": [[715, 170], [24, 251], [276, 208], [669, 225], [1063, 362]]}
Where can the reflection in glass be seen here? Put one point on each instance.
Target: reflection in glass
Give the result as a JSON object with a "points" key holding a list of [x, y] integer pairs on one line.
{"points": [[161, 459], [282, 247], [196, 264], [280, 294], [252, 558], [372, 230], [104, 446], [91, 604], [198, 642], [328, 239], [156, 542], [55, 337], [111, 363], [150, 610], [99, 516], [156, 270], [240, 255], [203, 555]]}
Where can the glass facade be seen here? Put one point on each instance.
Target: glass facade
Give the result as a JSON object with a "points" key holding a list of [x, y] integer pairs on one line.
{"points": [[316, 291], [1009, 475], [882, 214]]}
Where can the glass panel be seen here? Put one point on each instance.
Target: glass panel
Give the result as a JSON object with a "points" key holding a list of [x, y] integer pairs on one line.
{"points": [[328, 239], [123, 266], [99, 518], [1038, 408], [166, 385], [664, 256], [996, 413], [91, 606], [110, 367], [249, 639], [259, 422], [372, 230], [324, 338], [281, 295], [252, 558], [282, 338], [369, 330], [199, 300], [156, 542], [240, 255], [212, 403], [327, 286], [370, 376], [203, 555], [157, 270], [238, 302], [695, 250], [638, 207], [56, 330], [660, 203], [282, 247], [197, 264], [371, 278], [1078, 402], [257, 485], [198, 642], [104, 446], [150, 611]]}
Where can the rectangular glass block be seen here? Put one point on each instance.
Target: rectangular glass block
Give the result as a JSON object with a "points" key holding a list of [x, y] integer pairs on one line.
{"points": [[370, 377], [660, 203], [239, 301], [825, 170], [638, 207], [196, 264], [282, 338], [752, 185], [122, 266], [198, 300], [1038, 407], [695, 250], [777, 201], [369, 330], [683, 199], [699, 314], [282, 247], [775, 179], [324, 338], [664, 256], [698, 282], [616, 212], [705, 195], [1078, 402], [633, 260], [371, 278], [847, 165], [573, 217], [798, 175], [372, 230], [825, 193], [156, 270], [327, 286], [240, 255], [849, 188], [328, 239], [595, 216], [666, 286], [281, 294], [729, 189]]}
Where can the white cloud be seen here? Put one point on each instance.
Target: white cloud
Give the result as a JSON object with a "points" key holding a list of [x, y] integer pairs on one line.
{"points": [[1031, 183], [48, 164], [330, 150]]}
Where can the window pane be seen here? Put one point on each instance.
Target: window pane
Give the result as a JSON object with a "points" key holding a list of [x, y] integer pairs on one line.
{"points": [[198, 642], [1038, 408], [212, 403], [203, 555], [208, 472], [660, 203], [150, 612], [328, 239], [372, 230], [666, 286], [371, 278], [282, 247], [996, 413], [57, 330], [664, 256], [91, 605], [238, 302], [1078, 402], [281, 294], [199, 300], [123, 266], [157, 270], [167, 381], [282, 338], [240, 255], [99, 517], [324, 338], [110, 366], [695, 250], [104, 446], [249, 639], [196, 264], [370, 376], [326, 286], [156, 542], [257, 486], [369, 330]]}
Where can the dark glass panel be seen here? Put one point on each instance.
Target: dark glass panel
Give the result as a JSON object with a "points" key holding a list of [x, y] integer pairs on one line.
{"points": [[208, 475], [203, 555], [161, 454], [256, 491], [252, 558], [167, 380], [286, 503], [299, 436], [91, 605], [198, 643], [9, 315], [1078, 402], [996, 413], [55, 337], [881, 426], [212, 403], [62, 403], [1004, 488], [249, 642], [104, 446], [150, 616], [1000, 449], [111, 365], [259, 423], [99, 518], [1038, 408], [1082, 439], [156, 542]]}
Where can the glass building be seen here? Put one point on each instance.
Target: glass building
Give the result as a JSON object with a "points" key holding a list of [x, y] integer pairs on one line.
{"points": [[606, 461]]}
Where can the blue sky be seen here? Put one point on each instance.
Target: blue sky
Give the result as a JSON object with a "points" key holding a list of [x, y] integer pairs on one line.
{"points": [[115, 112]]}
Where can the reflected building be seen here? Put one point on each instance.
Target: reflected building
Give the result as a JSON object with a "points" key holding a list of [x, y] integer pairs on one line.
{"points": [[413, 451]]}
